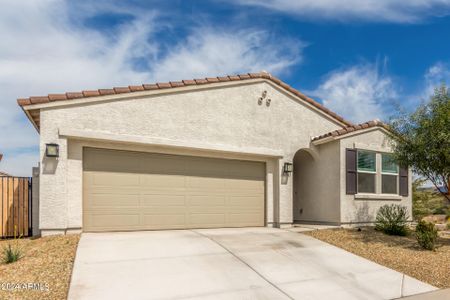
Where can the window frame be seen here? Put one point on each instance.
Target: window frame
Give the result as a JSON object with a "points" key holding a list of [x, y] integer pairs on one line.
{"points": [[358, 151], [378, 174], [396, 174]]}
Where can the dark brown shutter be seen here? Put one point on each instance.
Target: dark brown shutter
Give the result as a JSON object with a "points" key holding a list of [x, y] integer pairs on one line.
{"points": [[403, 181], [350, 171]]}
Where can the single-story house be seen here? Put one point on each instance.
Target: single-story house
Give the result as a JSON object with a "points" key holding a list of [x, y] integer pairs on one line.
{"points": [[233, 151]]}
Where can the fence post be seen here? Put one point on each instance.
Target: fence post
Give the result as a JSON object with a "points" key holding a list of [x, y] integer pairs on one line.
{"points": [[35, 202]]}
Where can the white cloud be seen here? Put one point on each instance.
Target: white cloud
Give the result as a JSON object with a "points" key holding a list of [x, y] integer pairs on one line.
{"points": [[366, 10], [212, 53], [47, 48], [358, 93], [436, 75]]}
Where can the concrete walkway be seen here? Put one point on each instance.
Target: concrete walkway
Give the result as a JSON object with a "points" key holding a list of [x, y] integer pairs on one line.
{"points": [[247, 263]]}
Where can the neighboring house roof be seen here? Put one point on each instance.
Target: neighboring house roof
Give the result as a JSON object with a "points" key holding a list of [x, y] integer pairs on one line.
{"points": [[2, 174], [350, 129], [35, 118]]}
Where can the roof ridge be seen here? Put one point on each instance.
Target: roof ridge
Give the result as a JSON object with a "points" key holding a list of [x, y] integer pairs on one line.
{"points": [[174, 84]]}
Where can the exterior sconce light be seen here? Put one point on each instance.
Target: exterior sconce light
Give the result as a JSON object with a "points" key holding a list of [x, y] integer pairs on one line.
{"points": [[288, 168], [52, 150]]}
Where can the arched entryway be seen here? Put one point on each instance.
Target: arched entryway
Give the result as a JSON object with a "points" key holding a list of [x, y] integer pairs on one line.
{"points": [[303, 184]]}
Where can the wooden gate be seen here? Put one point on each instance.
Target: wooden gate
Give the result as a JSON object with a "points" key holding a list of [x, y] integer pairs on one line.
{"points": [[15, 200]]}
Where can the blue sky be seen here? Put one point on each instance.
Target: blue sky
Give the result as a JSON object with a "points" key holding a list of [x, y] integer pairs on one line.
{"points": [[361, 58]]}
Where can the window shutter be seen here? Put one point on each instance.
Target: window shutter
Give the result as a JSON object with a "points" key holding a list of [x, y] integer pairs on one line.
{"points": [[403, 181], [350, 171]]}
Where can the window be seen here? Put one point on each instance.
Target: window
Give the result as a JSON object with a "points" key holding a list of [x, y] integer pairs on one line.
{"points": [[367, 172], [389, 175]]}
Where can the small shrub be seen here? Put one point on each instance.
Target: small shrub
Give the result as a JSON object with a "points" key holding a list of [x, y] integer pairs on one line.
{"points": [[426, 234], [391, 219], [11, 254]]}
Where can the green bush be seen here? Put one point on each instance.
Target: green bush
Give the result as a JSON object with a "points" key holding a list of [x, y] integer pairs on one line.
{"points": [[426, 234], [11, 254], [391, 219]]}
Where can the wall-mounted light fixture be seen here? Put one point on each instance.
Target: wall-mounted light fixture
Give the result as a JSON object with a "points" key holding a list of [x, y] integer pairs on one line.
{"points": [[288, 168], [52, 150]]}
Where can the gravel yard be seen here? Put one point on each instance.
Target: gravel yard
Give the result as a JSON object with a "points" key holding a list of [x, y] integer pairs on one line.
{"points": [[399, 253], [47, 261]]}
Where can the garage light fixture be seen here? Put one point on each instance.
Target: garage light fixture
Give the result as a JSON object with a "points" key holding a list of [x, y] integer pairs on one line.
{"points": [[288, 168], [52, 150]]}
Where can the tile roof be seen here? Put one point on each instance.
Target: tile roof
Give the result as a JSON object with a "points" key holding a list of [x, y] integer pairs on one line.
{"points": [[352, 128], [23, 102]]}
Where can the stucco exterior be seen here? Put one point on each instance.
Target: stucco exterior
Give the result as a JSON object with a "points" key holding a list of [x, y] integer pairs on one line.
{"points": [[224, 120], [316, 184], [363, 208]]}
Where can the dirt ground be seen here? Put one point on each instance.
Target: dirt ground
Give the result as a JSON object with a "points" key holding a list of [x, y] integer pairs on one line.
{"points": [[399, 253], [44, 270]]}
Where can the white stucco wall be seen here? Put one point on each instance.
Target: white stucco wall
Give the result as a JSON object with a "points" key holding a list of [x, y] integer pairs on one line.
{"points": [[356, 209], [226, 115], [316, 186]]}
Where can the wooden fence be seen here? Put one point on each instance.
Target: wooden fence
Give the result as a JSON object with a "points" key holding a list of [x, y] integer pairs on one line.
{"points": [[15, 200]]}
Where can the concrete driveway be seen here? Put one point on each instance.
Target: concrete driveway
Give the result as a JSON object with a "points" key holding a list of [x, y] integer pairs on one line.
{"points": [[247, 263]]}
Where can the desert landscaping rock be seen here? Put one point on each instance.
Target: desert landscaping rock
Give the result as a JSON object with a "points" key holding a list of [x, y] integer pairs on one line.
{"points": [[47, 261]]}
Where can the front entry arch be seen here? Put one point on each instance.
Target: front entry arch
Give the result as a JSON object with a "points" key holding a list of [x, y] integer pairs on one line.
{"points": [[303, 185]]}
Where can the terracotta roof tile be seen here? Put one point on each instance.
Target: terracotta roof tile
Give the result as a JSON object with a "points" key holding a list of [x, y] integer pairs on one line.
{"points": [[38, 100], [57, 97], [150, 86], [175, 84], [201, 81], [91, 93], [164, 85], [352, 128], [136, 88], [122, 90], [74, 95], [106, 92], [212, 79], [23, 101], [224, 78], [189, 82], [244, 76]]}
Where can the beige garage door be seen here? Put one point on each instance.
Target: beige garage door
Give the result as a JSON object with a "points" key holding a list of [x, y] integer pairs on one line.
{"points": [[137, 191]]}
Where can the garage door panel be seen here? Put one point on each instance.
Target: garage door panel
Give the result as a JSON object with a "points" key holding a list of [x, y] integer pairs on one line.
{"points": [[207, 219], [245, 184], [163, 200], [111, 221], [169, 191], [253, 202], [162, 181], [165, 220], [114, 200], [245, 219], [112, 179], [206, 200]]}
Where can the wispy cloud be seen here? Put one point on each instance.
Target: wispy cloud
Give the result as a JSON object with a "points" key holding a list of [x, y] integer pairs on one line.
{"points": [[410, 11], [436, 75], [210, 53], [360, 93], [48, 48]]}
